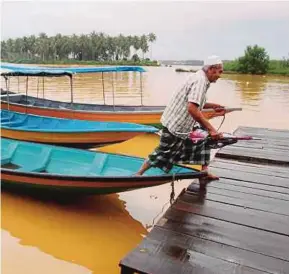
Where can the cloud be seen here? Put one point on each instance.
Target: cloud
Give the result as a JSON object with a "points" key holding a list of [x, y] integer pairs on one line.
{"points": [[184, 29]]}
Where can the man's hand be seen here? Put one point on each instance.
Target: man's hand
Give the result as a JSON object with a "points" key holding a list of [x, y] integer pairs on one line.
{"points": [[215, 135], [216, 106], [220, 111], [213, 106], [198, 116]]}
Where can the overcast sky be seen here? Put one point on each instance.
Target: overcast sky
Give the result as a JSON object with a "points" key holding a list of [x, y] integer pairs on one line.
{"points": [[185, 30]]}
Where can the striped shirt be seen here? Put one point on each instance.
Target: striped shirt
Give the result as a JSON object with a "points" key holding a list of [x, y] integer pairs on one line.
{"points": [[176, 117]]}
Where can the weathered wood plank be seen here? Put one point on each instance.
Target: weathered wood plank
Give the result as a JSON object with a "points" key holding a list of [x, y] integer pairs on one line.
{"points": [[168, 252], [270, 170], [254, 155], [247, 238], [247, 200], [266, 132], [235, 214], [241, 225], [251, 188], [251, 177], [273, 148], [262, 144]]}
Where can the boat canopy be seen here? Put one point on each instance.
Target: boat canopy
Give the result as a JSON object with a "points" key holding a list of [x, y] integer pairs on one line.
{"points": [[8, 69], [33, 72], [26, 68]]}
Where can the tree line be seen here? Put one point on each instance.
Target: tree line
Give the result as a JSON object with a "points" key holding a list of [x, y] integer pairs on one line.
{"points": [[256, 61], [85, 47]]}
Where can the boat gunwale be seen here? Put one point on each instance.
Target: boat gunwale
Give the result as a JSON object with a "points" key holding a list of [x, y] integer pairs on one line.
{"points": [[85, 104], [174, 176], [85, 111], [122, 128], [116, 179]]}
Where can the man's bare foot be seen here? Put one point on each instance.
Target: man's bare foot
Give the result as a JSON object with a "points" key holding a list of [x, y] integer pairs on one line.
{"points": [[211, 177], [205, 180], [138, 174]]}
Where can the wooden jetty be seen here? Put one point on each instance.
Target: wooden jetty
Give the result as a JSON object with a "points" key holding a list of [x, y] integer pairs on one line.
{"points": [[240, 225]]}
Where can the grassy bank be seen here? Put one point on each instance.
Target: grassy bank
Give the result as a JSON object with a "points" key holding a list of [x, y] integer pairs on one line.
{"points": [[276, 67], [76, 62]]}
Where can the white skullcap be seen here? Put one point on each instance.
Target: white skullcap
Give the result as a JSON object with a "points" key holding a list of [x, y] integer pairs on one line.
{"points": [[213, 60]]}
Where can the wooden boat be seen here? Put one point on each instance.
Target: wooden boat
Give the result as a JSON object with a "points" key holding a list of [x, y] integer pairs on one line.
{"points": [[140, 114], [147, 115], [27, 127], [25, 164]]}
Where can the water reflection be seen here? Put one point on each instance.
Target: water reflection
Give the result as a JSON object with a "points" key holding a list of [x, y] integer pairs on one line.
{"points": [[86, 87], [94, 232], [250, 88]]}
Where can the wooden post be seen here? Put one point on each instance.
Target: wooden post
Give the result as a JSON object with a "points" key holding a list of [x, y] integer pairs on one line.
{"points": [[71, 92], [141, 91], [112, 84], [26, 92], [103, 87]]}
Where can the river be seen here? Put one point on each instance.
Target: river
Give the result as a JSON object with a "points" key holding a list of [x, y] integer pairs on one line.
{"points": [[91, 234]]}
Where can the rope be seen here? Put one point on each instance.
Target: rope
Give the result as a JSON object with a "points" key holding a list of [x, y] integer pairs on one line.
{"points": [[187, 133], [172, 199], [224, 117], [172, 196]]}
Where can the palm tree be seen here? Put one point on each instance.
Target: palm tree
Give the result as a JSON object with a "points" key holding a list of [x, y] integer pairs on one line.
{"points": [[152, 38], [95, 46], [136, 43], [144, 45]]}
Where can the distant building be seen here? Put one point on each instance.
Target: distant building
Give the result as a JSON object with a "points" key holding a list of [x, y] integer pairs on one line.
{"points": [[181, 62]]}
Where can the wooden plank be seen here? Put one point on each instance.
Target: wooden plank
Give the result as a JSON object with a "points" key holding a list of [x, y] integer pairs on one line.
{"points": [[249, 187], [251, 201], [264, 144], [251, 177], [254, 155], [272, 149], [246, 238], [235, 214], [240, 225], [271, 170], [258, 150], [168, 252], [266, 132]]}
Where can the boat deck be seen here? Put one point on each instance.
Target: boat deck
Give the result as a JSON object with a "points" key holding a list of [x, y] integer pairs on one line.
{"points": [[241, 225]]}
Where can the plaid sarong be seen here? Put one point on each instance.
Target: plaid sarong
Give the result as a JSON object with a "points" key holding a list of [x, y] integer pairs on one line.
{"points": [[174, 150]]}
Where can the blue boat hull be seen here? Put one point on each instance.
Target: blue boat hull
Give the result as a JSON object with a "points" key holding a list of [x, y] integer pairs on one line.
{"points": [[42, 167], [71, 132]]}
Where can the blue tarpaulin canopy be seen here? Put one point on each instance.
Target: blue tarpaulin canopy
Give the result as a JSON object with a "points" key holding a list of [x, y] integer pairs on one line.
{"points": [[33, 72], [24, 68]]}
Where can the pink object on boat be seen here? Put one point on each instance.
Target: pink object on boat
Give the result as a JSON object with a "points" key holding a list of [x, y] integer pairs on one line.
{"points": [[200, 134]]}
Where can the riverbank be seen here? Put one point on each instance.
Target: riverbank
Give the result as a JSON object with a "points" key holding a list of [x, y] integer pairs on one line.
{"points": [[93, 63], [272, 72], [276, 67]]}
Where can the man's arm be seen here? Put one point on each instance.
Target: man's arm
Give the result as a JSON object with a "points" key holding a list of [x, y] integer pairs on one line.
{"points": [[213, 105], [199, 117], [219, 110], [196, 95]]}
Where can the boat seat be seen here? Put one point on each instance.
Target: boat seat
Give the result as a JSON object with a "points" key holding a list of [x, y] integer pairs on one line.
{"points": [[63, 107], [41, 165], [98, 164], [6, 157], [3, 120], [10, 95], [13, 124]]}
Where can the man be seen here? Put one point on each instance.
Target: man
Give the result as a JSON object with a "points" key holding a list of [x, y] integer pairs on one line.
{"points": [[181, 116]]}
